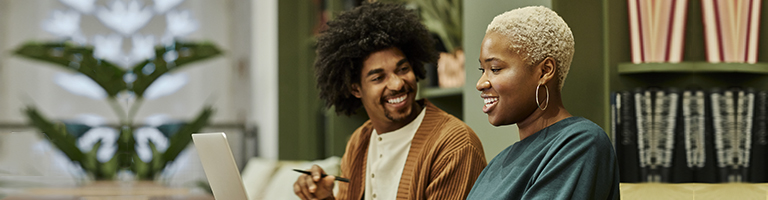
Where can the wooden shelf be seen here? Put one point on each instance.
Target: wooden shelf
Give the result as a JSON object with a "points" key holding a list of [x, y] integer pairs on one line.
{"points": [[440, 92], [693, 67]]}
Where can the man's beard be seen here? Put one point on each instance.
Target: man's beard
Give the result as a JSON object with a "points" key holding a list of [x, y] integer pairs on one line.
{"points": [[403, 117], [406, 90]]}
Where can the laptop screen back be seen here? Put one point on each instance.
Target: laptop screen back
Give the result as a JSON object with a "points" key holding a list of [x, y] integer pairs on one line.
{"points": [[219, 165]]}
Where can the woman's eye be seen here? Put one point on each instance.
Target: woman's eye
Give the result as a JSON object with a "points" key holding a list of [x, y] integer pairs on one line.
{"points": [[495, 70], [481, 70]]}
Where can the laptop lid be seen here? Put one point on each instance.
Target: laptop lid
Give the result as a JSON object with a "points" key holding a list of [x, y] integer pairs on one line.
{"points": [[219, 166]]}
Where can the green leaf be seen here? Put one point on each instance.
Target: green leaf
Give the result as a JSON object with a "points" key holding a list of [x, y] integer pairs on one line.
{"points": [[78, 59], [90, 163], [56, 134], [126, 145], [108, 169], [149, 71], [140, 168], [181, 139], [158, 162], [147, 171], [443, 17]]}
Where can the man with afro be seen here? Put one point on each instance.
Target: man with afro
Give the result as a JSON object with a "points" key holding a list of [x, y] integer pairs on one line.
{"points": [[372, 56]]}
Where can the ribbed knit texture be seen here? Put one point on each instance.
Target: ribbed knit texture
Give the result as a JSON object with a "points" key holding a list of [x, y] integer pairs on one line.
{"points": [[444, 160]]}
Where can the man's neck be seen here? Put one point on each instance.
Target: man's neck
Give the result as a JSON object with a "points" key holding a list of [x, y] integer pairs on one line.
{"points": [[386, 126]]}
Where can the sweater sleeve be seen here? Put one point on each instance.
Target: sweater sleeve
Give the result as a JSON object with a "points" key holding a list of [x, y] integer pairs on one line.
{"points": [[352, 162], [344, 166], [454, 173], [583, 167], [343, 192]]}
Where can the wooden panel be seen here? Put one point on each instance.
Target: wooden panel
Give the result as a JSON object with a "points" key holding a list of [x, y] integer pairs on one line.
{"points": [[693, 191]]}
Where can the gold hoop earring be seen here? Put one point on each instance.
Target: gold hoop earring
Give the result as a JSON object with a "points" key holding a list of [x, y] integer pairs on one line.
{"points": [[537, 97]]}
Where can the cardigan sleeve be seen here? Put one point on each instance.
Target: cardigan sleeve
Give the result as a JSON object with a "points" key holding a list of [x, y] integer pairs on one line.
{"points": [[343, 192], [454, 173], [350, 165]]}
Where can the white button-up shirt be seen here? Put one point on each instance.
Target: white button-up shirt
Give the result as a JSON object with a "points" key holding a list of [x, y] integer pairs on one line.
{"points": [[387, 153]]}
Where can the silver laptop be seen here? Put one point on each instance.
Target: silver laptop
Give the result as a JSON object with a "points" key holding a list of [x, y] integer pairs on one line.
{"points": [[219, 165]]}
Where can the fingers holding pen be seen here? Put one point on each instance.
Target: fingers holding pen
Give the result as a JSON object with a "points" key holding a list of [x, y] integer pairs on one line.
{"points": [[310, 183], [314, 186], [322, 187], [299, 191], [317, 173], [305, 187], [325, 187]]}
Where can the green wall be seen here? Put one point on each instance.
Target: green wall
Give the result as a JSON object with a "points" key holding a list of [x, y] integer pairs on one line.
{"points": [[300, 135], [584, 90]]}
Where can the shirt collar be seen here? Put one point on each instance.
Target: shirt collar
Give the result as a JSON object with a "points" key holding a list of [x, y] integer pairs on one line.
{"points": [[408, 128]]}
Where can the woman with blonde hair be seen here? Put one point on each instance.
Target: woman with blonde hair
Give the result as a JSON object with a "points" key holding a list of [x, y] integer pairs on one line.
{"points": [[525, 58]]}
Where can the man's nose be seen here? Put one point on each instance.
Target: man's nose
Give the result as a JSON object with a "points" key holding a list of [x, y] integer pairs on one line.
{"points": [[395, 83]]}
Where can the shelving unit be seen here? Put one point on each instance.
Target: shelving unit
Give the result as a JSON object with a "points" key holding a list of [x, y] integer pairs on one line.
{"points": [[693, 67], [449, 100], [693, 73], [439, 92], [689, 75]]}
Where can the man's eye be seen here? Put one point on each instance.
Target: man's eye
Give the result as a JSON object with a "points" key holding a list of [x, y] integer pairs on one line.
{"points": [[481, 70], [375, 78], [495, 70]]}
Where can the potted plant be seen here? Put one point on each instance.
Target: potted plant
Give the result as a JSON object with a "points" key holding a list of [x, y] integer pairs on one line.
{"points": [[114, 76]]}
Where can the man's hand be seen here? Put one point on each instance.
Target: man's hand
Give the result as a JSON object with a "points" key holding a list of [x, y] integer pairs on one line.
{"points": [[309, 187]]}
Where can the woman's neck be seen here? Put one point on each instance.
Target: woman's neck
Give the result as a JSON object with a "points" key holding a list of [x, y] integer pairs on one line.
{"points": [[541, 119]]}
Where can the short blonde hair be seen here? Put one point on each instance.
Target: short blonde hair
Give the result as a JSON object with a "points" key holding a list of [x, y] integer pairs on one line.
{"points": [[535, 33]]}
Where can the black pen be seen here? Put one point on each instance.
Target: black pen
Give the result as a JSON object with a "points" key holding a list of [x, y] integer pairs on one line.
{"points": [[321, 176]]}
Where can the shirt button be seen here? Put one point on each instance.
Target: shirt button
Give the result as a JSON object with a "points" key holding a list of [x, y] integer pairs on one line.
{"points": [[379, 138], [380, 155], [373, 175], [374, 195]]}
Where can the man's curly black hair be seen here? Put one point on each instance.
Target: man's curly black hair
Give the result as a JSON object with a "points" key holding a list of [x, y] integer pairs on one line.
{"points": [[354, 35]]}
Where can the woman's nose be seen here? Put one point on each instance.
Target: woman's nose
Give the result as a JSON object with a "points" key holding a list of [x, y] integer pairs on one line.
{"points": [[482, 84]]}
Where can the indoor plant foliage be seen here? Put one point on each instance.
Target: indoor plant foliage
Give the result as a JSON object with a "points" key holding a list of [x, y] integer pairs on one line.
{"points": [[444, 19], [101, 70]]}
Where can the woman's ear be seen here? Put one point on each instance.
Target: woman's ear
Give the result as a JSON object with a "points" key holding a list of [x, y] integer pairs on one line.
{"points": [[355, 90], [548, 69]]}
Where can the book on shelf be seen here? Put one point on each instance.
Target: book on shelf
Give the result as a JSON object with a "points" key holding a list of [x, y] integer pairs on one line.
{"points": [[744, 129], [694, 135], [694, 159], [657, 30], [731, 30], [643, 118], [625, 138], [656, 116], [723, 117], [732, 113], [757, 159], [664, 125], [693, 116], [708, 173]]}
